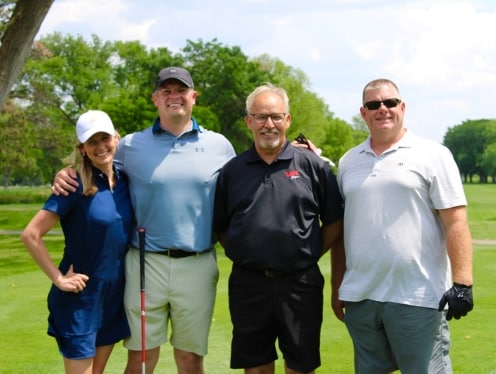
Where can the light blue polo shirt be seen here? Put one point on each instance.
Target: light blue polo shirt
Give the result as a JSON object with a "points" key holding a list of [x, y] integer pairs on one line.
{"points": [[172, 183]]}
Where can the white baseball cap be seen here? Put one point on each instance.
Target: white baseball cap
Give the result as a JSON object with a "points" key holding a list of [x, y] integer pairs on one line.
{"points": [[91, 122]]}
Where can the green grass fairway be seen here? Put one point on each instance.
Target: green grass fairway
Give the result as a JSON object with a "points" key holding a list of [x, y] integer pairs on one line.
{"points": [[25, 347]]}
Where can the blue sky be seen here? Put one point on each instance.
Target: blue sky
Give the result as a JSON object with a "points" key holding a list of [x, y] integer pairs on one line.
{"points": [[441, 53]]}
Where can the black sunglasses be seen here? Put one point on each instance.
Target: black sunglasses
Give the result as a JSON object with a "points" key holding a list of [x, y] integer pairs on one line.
{"points": [[375, 104]]}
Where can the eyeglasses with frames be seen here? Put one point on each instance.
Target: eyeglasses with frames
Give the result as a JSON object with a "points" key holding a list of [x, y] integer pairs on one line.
{"points": [[261, 118], [376, 104]]}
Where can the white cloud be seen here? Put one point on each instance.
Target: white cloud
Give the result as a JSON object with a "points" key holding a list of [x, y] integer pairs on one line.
{"points": [[139, 31], [447, 43], [442, 53], [91, 14], [315, 54]]}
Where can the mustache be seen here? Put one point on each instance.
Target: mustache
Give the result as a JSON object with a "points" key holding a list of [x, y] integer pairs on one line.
{"points": [[269, 132]]}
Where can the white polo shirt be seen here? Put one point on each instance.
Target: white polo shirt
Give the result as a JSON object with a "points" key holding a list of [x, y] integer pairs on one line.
{"points": [[394, 240]]}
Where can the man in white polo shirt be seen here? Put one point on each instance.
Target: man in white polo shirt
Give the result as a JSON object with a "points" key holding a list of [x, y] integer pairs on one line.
{"points": [[406, 240]]}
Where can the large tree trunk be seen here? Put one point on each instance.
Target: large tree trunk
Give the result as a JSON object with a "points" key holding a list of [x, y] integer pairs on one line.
{"points": [[18, 39]]}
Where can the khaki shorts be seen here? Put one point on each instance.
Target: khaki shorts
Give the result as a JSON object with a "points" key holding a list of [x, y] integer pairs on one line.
{"points": [[177, 290]]}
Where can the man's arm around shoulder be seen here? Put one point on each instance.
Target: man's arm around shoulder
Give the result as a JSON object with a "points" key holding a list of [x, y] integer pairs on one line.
{"points": [[64, 182]]}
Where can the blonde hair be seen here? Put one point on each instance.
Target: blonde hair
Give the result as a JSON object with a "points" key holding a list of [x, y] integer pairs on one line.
{"points": [[84, 168]]}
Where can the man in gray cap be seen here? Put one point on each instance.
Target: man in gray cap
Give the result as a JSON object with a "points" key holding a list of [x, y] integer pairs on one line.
{"points": [[176, 73], [172, 168]]}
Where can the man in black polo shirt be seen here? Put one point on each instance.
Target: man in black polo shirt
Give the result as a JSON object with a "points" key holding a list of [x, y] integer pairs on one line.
{"points": [[269, 206]]}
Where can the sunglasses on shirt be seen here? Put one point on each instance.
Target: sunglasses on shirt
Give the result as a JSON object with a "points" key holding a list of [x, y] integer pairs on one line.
{"points": [[376, 104]]}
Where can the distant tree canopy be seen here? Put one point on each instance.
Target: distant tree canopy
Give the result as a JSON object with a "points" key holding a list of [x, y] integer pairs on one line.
{"points": [[67, 75], [473, 144]]}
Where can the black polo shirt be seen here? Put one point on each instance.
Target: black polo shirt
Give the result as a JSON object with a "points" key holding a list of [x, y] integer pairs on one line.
{"points": [[271, 214]]}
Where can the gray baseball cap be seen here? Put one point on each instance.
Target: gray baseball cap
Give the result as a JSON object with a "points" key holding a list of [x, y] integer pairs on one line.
{"points": [[174, 72]]}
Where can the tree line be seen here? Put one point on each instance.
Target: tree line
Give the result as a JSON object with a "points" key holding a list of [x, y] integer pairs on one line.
{"points": [[66, 75], [473, 144]]}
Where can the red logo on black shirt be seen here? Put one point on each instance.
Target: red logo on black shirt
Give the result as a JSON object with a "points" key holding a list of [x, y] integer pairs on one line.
{"points": [[292, 174]]}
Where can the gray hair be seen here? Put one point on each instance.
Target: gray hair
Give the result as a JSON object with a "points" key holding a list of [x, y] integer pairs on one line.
{"points": [[267, 87]]}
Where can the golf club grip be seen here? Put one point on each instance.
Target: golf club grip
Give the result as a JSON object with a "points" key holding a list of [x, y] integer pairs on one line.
{"points": [[141, 240]]}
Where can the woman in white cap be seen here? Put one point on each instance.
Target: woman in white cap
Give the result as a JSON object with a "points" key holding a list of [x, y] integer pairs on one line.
{"points": [[85, 302]]}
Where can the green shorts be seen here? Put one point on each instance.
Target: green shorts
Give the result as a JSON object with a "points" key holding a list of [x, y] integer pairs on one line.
{"points": [[177, 290], [391, 336]]}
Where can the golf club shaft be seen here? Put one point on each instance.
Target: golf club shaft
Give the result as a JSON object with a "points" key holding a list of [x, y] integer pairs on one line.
{"points": [[141, 239]]}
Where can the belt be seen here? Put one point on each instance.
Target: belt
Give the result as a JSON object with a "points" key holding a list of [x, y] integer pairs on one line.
{"points": [[177, 253], [267, 273], [273, 273]]}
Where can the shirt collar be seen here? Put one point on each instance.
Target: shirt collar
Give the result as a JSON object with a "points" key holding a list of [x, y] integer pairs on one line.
{"points": [[405, 142], [102, 177], [286, 153], [157, 130]]}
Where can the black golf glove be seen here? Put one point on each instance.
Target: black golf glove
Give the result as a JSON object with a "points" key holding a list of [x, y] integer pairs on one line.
{"points": [[459, 299]]}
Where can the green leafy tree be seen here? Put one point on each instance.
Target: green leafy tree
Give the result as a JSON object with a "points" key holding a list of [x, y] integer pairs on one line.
{"points": [[68, 75], [339, 137], [133, 72], [17, 146], [360, 129], [488, 161], [468, 142], [309, 113], [224, 77], [64, 77]]}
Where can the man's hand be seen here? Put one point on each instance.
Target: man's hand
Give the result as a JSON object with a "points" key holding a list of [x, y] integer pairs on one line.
{"points": [[302, 142], [459, 299], [337, 306], [64, 182]]}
